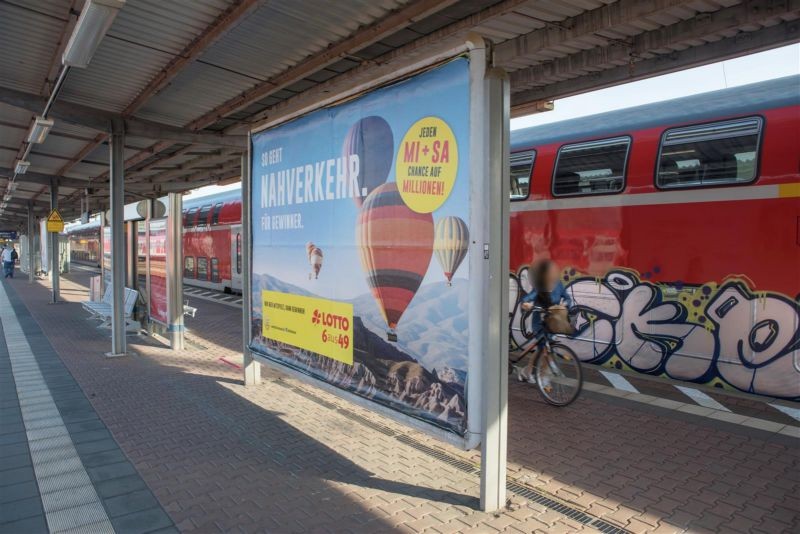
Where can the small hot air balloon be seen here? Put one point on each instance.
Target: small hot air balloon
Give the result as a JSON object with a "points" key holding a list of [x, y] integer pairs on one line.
{"points": [[451, 244], [396, 245], [371, 139], [314, 259]]}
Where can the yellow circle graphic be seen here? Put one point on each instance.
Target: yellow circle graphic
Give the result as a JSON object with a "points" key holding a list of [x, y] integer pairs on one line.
{"points": [[427, 164]]}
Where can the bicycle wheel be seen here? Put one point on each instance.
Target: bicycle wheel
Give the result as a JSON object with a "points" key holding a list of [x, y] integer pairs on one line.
{"points": [[558, 375]]}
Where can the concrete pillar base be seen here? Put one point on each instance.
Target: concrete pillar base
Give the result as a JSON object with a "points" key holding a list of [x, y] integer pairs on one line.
{"points": [[112, 355]]}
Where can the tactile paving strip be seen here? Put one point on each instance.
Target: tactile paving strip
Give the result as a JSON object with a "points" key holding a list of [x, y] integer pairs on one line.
{"points": [[56, 463]]}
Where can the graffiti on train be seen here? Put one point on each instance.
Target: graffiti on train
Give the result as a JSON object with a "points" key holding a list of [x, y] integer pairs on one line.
{"points": [[722, 334]]}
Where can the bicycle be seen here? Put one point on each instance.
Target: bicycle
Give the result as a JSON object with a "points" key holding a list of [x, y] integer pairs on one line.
{"points": [[556, 368]]}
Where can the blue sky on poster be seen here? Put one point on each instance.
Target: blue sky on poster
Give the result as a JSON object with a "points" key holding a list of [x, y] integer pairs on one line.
{"points": [[331, 224]]}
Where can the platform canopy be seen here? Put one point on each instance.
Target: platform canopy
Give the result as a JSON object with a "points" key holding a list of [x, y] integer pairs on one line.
{"points": [[188, 78]]}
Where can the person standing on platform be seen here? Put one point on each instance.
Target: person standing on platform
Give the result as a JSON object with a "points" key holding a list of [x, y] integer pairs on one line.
{"points": [[7, 255]]}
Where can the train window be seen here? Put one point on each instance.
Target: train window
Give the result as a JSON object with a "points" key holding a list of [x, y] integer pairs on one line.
{"points": [[202, 268], [202, 219], [591, 168], [521, 169], [709, 154], [214, 270], [215, 213], [238, 253], [190, 218], [188, 267]]}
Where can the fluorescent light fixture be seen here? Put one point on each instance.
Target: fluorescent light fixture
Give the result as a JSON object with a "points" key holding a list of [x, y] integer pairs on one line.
{"points": [[22, 166], [95, 20], [41, 127]]}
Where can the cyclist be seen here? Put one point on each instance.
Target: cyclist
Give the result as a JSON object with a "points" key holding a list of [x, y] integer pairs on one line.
{"points": [[547, 291]]}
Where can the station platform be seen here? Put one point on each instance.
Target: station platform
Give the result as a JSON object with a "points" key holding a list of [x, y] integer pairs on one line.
{"points": [[164, 441]]}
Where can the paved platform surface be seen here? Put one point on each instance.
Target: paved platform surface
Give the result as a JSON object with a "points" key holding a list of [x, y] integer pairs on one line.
{"points": [[60, 468], [286, 457]]}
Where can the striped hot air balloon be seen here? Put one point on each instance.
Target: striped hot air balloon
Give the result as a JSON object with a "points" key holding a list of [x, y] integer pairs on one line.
{"points": [[451, 244], [396, 245], [371, 139]]}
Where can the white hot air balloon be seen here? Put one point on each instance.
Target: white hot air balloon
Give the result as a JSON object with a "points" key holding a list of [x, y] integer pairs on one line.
{"points": [[451, 243]]}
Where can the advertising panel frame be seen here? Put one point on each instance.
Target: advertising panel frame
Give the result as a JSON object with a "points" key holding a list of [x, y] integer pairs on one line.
{"points": [[486, 243], [150, 286]]}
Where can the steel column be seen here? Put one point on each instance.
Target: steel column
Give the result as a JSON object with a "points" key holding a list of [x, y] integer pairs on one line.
{"points": [[117, 177], [175, 328], [52, 238], [251, 368], [489, 144], [31, 262]]}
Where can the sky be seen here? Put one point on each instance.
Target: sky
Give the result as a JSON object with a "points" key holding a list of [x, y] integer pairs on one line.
{"points": [[775, 63]]}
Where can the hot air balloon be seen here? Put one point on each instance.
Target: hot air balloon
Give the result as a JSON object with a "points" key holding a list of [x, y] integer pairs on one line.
{"points": [[451, 244], [396, 245], [314, 259], [371, 139]]}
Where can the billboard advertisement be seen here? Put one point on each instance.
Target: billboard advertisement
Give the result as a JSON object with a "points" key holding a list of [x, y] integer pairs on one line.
{"points": [[360, 237], [157, 246], [106, 255], [44, 242]]}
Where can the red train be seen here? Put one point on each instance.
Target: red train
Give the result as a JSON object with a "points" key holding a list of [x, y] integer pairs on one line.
{"points": [[212, 243], [677, 226]]}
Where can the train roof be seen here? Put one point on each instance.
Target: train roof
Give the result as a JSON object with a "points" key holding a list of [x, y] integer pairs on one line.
{"points": [[745, 99], [72, 228], [234, 195]]}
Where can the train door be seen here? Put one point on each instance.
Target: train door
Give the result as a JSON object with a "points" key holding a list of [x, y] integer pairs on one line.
{"points": [[236, 257]]}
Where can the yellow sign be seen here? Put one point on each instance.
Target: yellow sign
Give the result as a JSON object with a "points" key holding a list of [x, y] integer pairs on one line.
{"points": [[427, 164], [54, 222], [317, 325]]}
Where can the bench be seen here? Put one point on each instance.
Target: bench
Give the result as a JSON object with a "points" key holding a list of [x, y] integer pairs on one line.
{"points": [[90, 305], [103, 310], [190, 311]]}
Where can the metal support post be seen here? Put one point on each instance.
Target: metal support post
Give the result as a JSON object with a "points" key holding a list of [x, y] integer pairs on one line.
{"points": [[117, 177], [55, 268], [490, 111], [31, 262], [252, 369], [175, 328]]}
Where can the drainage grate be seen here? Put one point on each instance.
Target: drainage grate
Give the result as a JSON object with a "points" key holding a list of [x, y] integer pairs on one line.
{"points": [[526, 492], [383, 429], [573, 513], [449, 459], [310, 396]]}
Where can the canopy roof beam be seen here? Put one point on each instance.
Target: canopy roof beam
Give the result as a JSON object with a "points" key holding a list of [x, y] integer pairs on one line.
{"points": [[392, 23], [101, 120], [221, 26], [604, 67], [587, 24]]}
